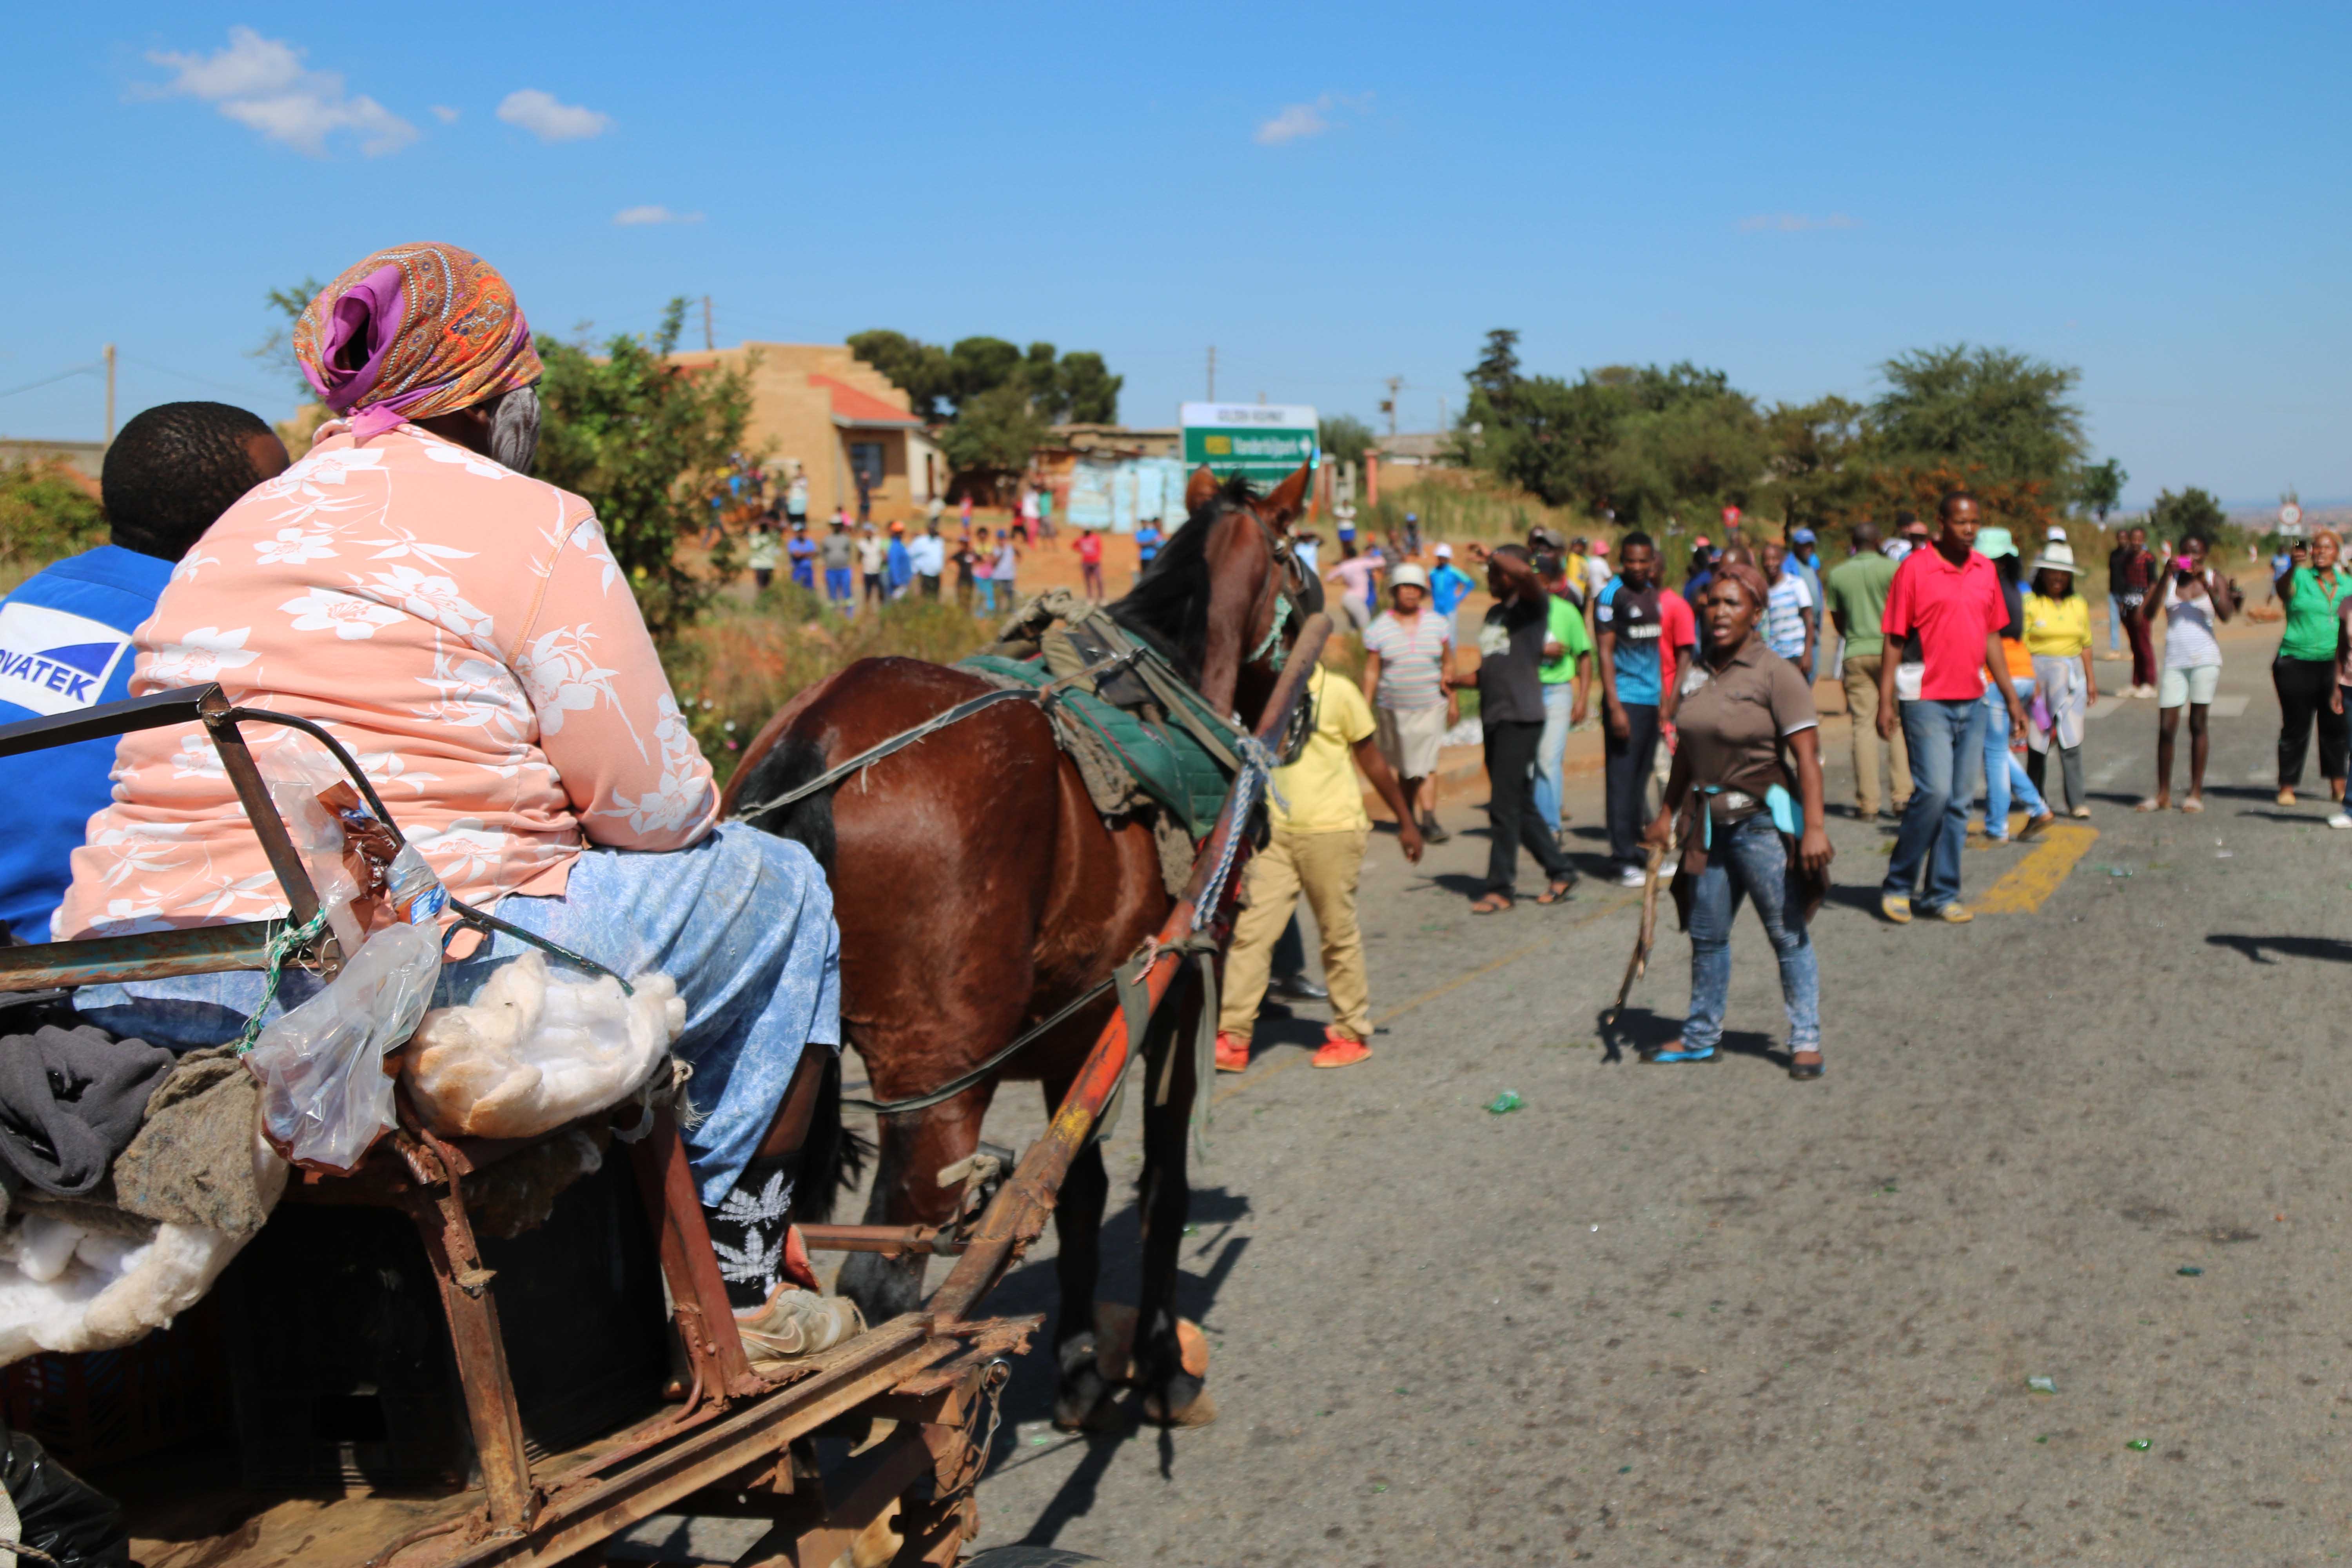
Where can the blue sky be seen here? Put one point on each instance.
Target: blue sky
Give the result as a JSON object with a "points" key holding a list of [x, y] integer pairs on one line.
{"points": [[1331, 194]]}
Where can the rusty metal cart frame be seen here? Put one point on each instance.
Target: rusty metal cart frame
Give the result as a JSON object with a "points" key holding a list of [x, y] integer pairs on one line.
{"points": [[934, 1373]]}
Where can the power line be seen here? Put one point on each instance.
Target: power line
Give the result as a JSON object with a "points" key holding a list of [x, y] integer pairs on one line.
{"points": [[48, 380], [200, 380]]}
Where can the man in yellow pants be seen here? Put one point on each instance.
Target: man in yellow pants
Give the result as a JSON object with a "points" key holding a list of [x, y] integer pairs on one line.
{"points": [[1318, 848]]}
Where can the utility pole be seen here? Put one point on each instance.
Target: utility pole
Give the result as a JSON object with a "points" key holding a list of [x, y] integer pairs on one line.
{"points": [[1212, 372], [1395, 384], [706, 342], [109, 394]]}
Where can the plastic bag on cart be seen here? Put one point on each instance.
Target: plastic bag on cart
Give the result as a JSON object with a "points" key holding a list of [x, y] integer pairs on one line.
{"points": [[57, 1513], [297, 772], [534, 1050], [326, 1088]]}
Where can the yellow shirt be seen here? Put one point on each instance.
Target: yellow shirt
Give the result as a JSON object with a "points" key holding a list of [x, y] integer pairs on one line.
{"points": [[1321, 787], [2057, 627]]}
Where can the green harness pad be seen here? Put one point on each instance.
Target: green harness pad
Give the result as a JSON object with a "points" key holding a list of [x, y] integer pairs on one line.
{"points": [[1173, 768]]}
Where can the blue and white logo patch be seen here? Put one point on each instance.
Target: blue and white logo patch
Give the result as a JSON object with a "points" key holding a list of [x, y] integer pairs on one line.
{"points": [[53, 662]]}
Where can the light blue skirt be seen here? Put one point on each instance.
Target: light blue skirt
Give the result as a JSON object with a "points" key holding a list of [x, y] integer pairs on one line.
{"points": [[742, 921]]}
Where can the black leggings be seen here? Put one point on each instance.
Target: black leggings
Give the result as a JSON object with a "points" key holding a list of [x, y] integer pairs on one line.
{"points": [[1511, 816], [2304, 687]]}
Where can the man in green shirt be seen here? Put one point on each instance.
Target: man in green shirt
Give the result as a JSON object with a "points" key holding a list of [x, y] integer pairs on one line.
{"points": [[1566, 671], [1856, 590]]}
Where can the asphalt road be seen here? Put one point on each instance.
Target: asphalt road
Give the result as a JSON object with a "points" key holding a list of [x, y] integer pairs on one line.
{"points": [[1709, 1315]]}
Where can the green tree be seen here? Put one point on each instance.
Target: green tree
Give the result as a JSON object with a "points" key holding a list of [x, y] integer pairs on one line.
{"points": [[993, 433], [2001, 422], [647, 443], [2193, 508], [276, 351], [1089, 390], [45, 513], [2102, 487], [1819, 465], [1344, 438], [919, 370]]}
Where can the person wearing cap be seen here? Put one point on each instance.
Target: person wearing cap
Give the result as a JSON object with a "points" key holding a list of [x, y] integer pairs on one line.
{"points": [[1409, 680], [1566, 673], [1449, 585], [1802, 551], [1411, 534], [2005, 776], [2058, 640], [897, 562]]}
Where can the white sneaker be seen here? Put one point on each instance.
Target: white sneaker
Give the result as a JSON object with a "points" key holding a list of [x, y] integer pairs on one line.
{"points": [[1632, 876], [796, 1322], [2339, 820]]}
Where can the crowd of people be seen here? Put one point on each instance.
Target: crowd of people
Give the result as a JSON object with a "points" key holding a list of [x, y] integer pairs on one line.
{"points": [[1966, 655]]}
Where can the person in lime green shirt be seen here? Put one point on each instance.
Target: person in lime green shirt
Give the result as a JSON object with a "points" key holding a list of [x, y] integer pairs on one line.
{"points": [[2314, 587], [1566, 671]]}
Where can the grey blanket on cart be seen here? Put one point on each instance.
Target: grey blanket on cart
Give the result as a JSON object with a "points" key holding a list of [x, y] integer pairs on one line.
{"points": [[70, 1101]]}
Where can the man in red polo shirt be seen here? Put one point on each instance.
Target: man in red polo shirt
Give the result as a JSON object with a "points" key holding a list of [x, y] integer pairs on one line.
{"points": [[1945, 611]]}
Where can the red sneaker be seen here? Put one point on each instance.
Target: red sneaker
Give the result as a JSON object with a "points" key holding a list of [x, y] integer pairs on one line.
{"points": [[1232, 1053], [1339, 1050]]}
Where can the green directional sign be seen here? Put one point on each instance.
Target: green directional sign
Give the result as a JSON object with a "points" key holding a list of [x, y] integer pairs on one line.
{"points": [[1265, 443]]}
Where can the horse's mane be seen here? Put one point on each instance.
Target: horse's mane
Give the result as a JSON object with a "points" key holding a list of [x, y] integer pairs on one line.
{"points": [[1169, 606]]}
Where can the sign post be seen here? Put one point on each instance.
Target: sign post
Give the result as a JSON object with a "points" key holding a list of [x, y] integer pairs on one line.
{"points": [[1262, 442], [2291, 521]]}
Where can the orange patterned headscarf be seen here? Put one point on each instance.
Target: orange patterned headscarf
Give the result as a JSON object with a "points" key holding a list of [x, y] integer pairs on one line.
{"points": [[413, 332]]}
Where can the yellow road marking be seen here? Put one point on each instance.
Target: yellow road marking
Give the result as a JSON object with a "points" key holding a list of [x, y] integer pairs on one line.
{"points": [[2032, 879], [1259, 1075]]}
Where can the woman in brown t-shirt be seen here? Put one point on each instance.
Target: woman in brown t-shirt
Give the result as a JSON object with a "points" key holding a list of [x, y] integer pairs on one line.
{"points": [[1746, 792]]}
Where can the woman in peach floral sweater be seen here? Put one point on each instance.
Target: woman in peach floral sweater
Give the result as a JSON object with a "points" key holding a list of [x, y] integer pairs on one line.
{"points": [[463, 630]]}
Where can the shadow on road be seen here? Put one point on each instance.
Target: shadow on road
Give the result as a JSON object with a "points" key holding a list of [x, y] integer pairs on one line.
{"points": [[2331, 950], [1639, 1029]]}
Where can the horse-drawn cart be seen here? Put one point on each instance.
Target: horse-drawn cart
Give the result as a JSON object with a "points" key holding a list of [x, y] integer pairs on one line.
{"points": [[868, 1453]]}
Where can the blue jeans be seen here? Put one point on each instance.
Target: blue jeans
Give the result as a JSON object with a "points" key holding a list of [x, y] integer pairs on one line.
{"points": [[2115, 624], [1551, 750], [1751, 860], [2005, 774], [1944, 740], [987, 595], [742, 920], [836, 588]]}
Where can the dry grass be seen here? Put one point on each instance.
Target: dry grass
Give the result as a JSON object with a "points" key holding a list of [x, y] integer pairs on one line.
{"points": [[746, 659]]}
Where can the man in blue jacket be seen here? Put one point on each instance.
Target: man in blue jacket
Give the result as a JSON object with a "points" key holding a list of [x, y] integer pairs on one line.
{"points": [[65, 635]]}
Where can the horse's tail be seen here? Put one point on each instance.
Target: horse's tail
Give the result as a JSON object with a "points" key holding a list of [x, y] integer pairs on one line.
{"points": [[834, 1157], [791, 763]]}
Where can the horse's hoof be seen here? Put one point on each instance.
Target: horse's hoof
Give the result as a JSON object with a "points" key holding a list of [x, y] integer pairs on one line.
{"points": [[1184, 1402], [1083, 1389]]}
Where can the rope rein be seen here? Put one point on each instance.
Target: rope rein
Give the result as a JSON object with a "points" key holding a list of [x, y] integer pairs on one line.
{"points": [[290, 938]]}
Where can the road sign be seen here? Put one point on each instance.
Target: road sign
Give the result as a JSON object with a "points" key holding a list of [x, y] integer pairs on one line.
{"points": [[1264, 442], [1731, 520], [2291, 518]]}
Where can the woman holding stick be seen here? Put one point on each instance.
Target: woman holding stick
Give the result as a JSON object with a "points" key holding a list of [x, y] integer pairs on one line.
{"points": [[1747, 794]]}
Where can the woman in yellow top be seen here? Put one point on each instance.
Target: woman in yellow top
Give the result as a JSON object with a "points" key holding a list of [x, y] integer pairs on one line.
{"points": [[2058, 636]]}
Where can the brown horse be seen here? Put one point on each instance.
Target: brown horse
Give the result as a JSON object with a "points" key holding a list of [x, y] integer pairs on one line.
{"points": [[978, 892]]}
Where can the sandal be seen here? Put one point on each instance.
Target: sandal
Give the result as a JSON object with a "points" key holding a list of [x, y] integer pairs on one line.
{"points": [[1558, 892], [2193, 804], [2151, 805], [1800, 1069], [1490, 904]]}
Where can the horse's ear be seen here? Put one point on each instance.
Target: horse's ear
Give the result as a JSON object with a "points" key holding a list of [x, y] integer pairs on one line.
{"points": [[1202, 490], [1290, 497]]}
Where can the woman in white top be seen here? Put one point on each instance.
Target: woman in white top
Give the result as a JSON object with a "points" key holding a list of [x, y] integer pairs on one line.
{"points": [[2196, 598]]}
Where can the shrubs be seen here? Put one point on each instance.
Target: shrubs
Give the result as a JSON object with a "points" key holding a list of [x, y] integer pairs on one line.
{"points": [[741, 661]]}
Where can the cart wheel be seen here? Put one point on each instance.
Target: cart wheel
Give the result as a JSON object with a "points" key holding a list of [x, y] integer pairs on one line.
{"points": [[1021, 1555]]}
